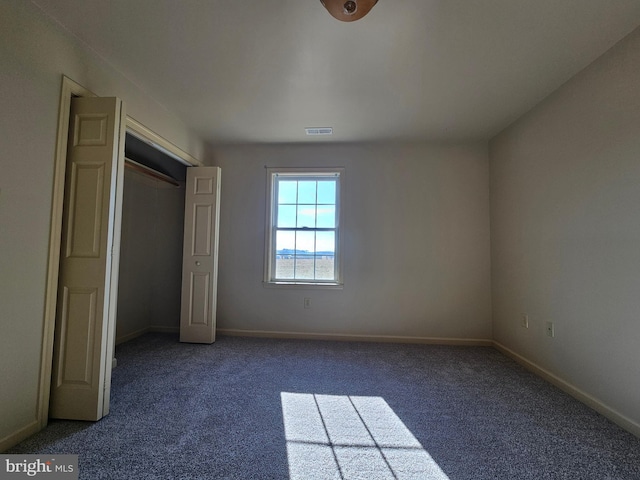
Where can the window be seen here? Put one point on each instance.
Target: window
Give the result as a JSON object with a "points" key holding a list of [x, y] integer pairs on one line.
{"points": [[303, 226]]}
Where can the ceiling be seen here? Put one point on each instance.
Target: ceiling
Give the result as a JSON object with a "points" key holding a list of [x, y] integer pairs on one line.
{"points": [[263, 70]]}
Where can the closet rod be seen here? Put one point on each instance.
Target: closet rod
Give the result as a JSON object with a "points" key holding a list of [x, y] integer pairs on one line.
{"points": [[138, 167]]}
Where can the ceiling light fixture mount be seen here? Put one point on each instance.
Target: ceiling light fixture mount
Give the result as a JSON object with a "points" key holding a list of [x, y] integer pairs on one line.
{"points": [[349, 10]]}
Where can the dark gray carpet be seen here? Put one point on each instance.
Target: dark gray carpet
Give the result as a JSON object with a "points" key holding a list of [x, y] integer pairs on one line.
{"points": [[353, 410]]}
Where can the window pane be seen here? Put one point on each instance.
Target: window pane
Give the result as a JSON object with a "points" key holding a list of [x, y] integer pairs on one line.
{"points": [[304, 267], [286, 216], [287, 191], [326, 216], [327, 191], [284, 267], [307, 192], [305, 242], [325, 243], [285, 250], [285, 243], [306, 216], [325, 267]]}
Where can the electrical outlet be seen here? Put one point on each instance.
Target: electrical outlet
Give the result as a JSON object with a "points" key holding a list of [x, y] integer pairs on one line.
{"points": [[524, 320], [307, 303], [550, 330]]}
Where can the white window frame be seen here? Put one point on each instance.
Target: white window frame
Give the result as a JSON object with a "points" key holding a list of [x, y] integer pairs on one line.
{"points": [[271, 228]]}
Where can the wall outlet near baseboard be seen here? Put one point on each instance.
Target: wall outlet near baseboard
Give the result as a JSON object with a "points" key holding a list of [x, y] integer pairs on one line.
{"points": [[524, 320], [307, 303], [550, 330]]}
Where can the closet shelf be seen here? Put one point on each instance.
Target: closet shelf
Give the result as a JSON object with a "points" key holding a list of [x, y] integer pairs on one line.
{"points": [[143, 169]]}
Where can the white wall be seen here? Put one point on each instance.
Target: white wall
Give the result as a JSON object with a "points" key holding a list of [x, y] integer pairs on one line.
{"points": [[416, 251], [565, 215], [150, 256], [34, 54]]}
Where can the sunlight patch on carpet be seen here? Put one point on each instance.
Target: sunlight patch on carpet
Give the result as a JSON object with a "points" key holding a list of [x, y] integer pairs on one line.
{"points": [[351, 437]]}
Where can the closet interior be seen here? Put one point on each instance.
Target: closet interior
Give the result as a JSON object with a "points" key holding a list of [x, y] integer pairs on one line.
{"points": [[151, 244]]}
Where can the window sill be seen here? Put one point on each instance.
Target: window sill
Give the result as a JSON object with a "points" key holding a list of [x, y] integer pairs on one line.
{"points": [[304, 285]]}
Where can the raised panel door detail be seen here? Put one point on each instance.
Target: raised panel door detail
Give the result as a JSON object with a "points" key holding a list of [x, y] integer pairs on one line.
{"points": [[202, 230], [199, 311], [85, 210], [78, 336], [203, 186], [90, 130]]}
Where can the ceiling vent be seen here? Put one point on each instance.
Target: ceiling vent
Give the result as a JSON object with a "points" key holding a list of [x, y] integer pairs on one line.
{"points": [[319, 131]]}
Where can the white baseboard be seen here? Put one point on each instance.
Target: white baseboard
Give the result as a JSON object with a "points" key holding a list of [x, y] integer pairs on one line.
{"points": [[131, 335], [142, 331], [356, 337], [16, 437], [574, 391], [160, 329]]}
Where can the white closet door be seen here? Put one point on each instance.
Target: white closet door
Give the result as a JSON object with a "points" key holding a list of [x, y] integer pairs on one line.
{"points": [[200, 255], [85, 318]]}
